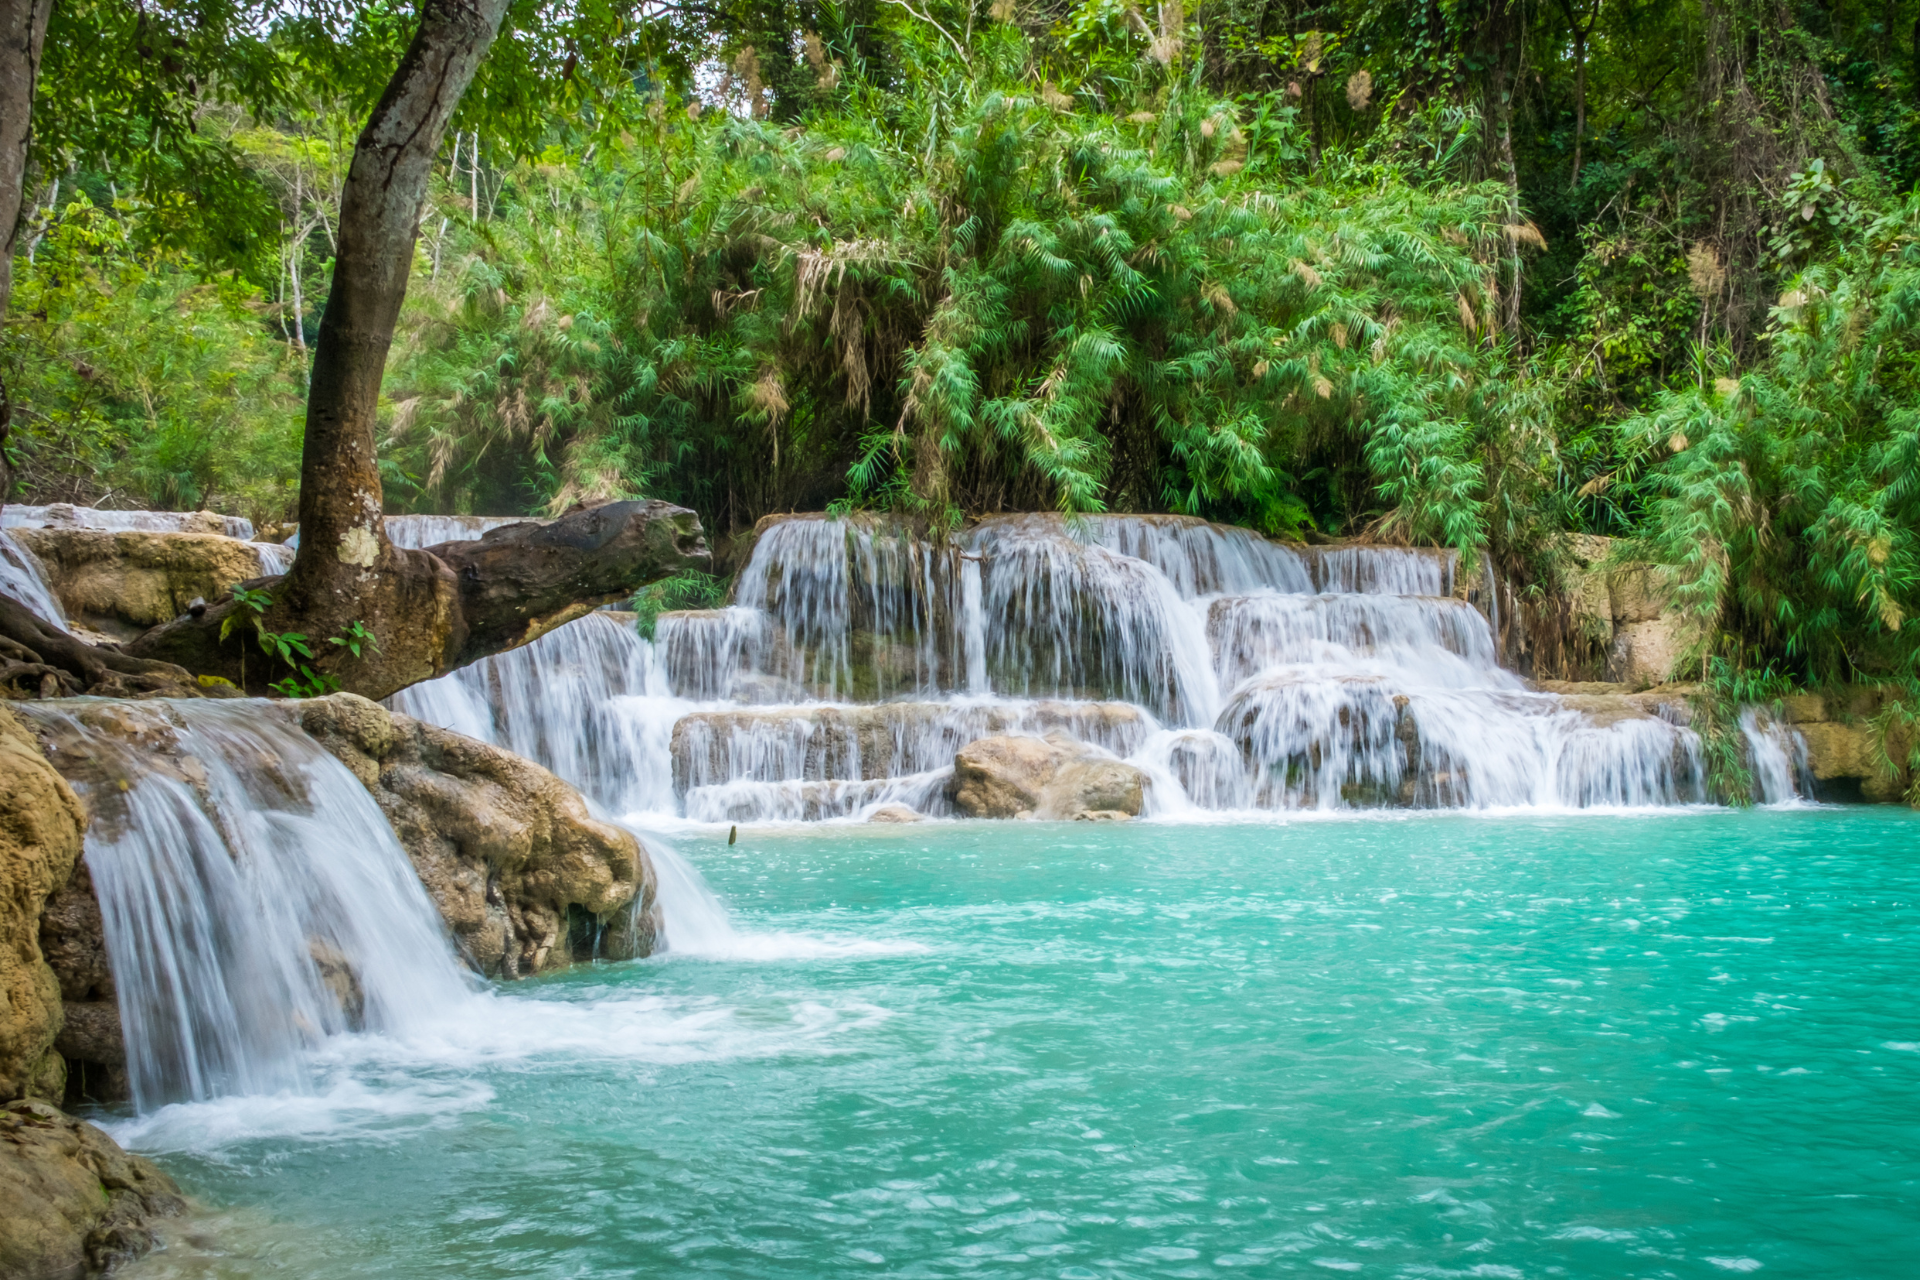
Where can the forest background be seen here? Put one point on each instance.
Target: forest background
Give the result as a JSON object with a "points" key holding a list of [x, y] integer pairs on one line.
{"points": [[1472, 272]]}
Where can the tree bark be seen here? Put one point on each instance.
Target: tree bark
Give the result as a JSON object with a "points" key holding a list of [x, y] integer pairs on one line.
{"points": [[1581, 33], [23, 36], [505, 590], [346, 570]]}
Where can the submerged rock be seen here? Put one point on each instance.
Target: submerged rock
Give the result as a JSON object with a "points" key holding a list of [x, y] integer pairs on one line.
{"points": [[895, 813], [1050, 777], [75, 1204]]}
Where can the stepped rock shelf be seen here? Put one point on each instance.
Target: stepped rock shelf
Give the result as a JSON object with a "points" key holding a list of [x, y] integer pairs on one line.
{"points": [[857, 660]]}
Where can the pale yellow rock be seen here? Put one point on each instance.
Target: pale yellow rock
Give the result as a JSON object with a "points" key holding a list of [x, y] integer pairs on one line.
{"points": [[41, 822], [121, 584], [895, 813], [1644, 653], [1051, 777], [506, 850], [1636, 595]]}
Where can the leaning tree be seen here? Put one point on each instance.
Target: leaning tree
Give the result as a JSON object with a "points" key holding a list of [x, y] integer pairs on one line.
{"points": [[428, 611]]}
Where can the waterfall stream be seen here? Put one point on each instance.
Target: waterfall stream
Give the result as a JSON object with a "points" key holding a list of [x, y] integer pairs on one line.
{"points": [[1239, 674], [254, 897]]}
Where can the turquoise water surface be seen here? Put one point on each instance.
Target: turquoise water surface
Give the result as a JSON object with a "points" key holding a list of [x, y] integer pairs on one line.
{"points": [[1665, 1044]]}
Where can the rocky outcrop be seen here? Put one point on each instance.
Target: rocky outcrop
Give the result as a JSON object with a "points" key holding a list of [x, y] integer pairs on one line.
{"points": [[40, 832], [524, 876], [122, 583], [1846, 753], [72, 1203], [1050, 777], [75, 1204]]}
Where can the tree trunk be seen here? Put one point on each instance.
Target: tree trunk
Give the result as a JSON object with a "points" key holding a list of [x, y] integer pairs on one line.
{"points": [[479, 598], [23, 35], [346, 570]]}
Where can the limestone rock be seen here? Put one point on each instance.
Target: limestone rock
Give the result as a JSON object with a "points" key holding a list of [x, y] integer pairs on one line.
{"points": [[1644, 652], [895, 813], [40, 832], [1051, 777], [524, 876], [1636, 594], [76, 1204], [122, 583], [883, 740]]}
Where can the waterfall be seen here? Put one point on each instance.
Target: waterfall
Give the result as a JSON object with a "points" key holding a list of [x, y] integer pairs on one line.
{"points": [[1777, 757], [414, 532], [275, 557], [61, 515], [24, 580], [859, 655], [254, 897]]}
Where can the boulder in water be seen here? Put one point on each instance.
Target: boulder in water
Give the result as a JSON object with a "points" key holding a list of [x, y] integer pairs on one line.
{"points": [[895, 813], [1050, 777], [76, 1204]]}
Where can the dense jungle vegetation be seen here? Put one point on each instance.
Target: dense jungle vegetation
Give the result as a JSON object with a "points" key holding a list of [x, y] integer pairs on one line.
{"points": [[1478, 272]]}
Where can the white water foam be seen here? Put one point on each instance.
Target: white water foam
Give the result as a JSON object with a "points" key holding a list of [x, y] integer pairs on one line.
{"points": [[859, 657], [238, 866], [61, 515], [24, 579]]}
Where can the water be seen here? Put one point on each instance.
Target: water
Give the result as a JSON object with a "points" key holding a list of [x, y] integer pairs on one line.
{"points": [[859, 656], [24, 579], [237, 865], [1674, 1044], [61, 515]]}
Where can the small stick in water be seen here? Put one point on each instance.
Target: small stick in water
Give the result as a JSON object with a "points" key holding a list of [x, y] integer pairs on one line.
{"points": [[733, 833]]}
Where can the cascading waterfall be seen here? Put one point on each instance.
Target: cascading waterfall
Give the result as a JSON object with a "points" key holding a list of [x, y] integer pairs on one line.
{"points": [[1777, 756], [1237, 673], [61, 515], [23, 579], [254, 897]]}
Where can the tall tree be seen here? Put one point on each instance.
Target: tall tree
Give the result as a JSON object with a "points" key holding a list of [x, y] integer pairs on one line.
{"points": [[23, 38]]}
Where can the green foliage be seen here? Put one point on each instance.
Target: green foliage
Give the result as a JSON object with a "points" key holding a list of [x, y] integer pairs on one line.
{"points": [[137, 381], [290, 648], [689, 590], [1023, 305]]}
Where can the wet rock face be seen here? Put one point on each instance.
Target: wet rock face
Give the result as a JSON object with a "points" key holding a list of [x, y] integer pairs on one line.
{"points": [[1051, 777], [76, 1205], [121, 583], [1846, 754], [40, 832], [524, 877]]}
